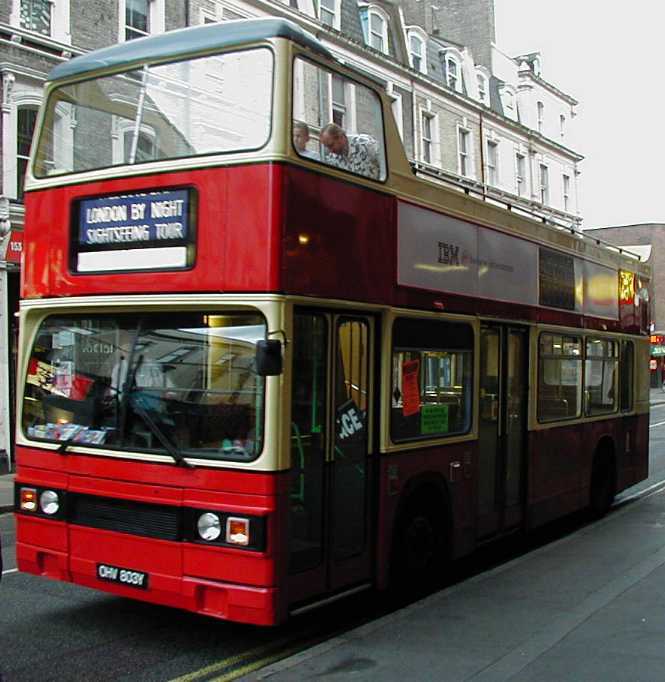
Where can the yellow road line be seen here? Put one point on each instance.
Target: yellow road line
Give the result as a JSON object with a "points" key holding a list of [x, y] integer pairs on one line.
{"points": [[231, 660], [256, 665]]}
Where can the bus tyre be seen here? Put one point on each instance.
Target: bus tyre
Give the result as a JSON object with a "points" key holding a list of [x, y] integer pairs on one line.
{"points": [[603, 484], [419, 547]]}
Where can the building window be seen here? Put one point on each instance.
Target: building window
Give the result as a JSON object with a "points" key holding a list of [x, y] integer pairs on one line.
{"points": [[544, 184], [483, 92], [492, 163], [26, 119], [338, 101], [417, 54], [139, 18], [562, 125], [378, 30], [520, 174], [508, 101], [453, 77], [35, 15], [145, 150], [329, 13], [427, 137], [541, 112], [566, 192], [463, 151]]}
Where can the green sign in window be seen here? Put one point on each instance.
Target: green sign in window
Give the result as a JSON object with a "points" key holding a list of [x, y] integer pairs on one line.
{"points": [[433, 419]]}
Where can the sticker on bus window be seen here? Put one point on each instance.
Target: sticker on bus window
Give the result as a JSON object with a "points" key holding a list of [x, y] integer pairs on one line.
{"points": [[434, 419], [40, 374], [350, 422], [410, 388]]}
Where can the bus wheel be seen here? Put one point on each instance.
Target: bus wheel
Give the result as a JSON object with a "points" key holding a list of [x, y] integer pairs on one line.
{"points": [[603, 484], [419, 546]]}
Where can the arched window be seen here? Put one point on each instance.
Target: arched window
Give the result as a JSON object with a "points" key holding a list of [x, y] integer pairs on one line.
{"points": [[453, 66], [377, 29], [417, 50], [509, 101], [483, 85]]}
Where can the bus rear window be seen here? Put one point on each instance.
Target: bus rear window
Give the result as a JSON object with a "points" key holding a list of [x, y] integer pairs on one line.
{"points": [[189, 108], [184, 382], [432, 370]]}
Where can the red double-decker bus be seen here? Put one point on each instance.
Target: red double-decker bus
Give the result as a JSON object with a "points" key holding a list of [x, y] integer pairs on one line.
{"points": [[263, 365]]}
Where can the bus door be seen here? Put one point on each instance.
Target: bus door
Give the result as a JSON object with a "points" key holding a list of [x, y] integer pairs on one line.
{"points": [[502, 427], [330, 417]]}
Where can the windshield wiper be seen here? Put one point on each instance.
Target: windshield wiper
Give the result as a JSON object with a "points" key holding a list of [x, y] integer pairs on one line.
{"points": [[62, 449], [129, 392], [178, 458]]}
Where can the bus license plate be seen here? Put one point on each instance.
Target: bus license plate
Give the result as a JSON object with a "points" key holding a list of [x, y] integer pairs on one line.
{"points": [[124, 576]]}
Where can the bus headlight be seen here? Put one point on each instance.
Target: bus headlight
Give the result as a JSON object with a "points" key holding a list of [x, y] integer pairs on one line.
{"points": [[49, 502], [209, 526]]}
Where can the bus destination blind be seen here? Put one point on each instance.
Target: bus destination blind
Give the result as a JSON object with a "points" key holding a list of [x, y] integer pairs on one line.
{"points": [[148, 231]]}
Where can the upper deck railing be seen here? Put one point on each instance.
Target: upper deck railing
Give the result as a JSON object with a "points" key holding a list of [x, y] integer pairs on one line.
{"points": [[511, 202]]}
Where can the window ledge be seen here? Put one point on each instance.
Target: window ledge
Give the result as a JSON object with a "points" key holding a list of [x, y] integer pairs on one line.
{"points": [[20, 36]]}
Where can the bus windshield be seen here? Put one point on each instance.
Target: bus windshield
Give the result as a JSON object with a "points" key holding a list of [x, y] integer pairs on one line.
{"points": [[209, 105], [185, 383]]}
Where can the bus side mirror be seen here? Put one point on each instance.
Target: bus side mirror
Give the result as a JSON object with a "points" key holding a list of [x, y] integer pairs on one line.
{"points": [[268, 357]]}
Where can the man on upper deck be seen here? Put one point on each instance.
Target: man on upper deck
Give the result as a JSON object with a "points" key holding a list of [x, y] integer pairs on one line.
{"points": [[356, 153]]}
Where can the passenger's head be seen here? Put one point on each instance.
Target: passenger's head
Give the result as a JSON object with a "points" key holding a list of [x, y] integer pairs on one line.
{"points": [[334, 139], [300, 136]]}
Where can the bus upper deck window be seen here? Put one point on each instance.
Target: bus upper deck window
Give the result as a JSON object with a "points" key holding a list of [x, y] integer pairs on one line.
{"points": [[337, 121], [208, 105]]}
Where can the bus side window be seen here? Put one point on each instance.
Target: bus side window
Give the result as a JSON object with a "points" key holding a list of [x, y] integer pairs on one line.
{"points": [[432, 373]]}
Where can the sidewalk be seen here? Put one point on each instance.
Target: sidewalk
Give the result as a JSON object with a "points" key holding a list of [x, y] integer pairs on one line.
{"points": [[6, 493], [590, 606]]}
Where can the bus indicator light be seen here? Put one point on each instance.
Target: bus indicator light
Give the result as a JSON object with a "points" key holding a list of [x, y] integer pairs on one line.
{"points": [[28, 499], [237, 531]]}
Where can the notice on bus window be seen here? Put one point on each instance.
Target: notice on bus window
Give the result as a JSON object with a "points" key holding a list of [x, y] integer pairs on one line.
{"points": [[434, 419], [410, 388]]}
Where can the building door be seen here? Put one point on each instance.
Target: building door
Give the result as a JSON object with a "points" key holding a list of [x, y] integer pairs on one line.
{"points": [[330, 453], [502, 428]]}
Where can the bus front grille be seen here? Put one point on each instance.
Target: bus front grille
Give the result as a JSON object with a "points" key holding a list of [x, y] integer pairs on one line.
{"points": [[123, 516]]}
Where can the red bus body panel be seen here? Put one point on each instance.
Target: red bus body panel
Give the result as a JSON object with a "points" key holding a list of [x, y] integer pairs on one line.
{"points": [[224, 582]]}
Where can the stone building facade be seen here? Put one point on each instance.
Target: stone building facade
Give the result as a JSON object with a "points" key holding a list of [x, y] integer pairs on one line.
{"points": [[469, 115]]}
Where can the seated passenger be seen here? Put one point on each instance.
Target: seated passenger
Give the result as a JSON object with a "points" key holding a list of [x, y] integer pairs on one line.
{"points": [[300, 140], [356, 153]]}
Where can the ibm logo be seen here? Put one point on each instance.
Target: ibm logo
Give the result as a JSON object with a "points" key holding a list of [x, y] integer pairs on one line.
{"points": [[448, 254]]}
